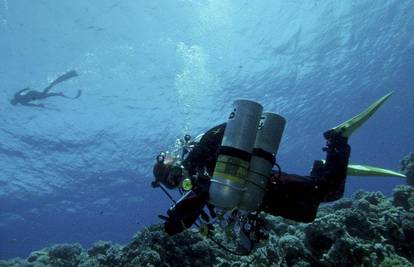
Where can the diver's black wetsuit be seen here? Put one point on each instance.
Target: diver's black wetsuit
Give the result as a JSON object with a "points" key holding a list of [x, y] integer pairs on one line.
{"points": [[290, 196], [25, 96]]}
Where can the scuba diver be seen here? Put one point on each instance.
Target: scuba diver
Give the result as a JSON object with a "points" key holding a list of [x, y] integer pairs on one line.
{"points": [[230, 170], [26, 96]]}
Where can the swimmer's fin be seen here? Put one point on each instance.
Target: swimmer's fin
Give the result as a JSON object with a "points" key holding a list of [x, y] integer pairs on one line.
{"points": [[365, 170], [65, 77], [77, 95], [62, 78], [348, 127]]}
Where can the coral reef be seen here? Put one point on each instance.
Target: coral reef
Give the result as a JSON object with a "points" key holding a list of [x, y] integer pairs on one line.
{"points": [[365, 230], [407, 167]]}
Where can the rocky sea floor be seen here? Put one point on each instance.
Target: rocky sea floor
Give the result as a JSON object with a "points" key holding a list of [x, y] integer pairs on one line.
{"points": [[365, 230]]}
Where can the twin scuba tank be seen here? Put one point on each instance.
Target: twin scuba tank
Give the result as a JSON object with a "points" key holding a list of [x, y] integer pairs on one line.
{"points": [[246, 157]]}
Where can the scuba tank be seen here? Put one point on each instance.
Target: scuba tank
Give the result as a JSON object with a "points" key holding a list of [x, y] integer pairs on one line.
{"points": [[245, 198], [230, 174], [269, 134]]}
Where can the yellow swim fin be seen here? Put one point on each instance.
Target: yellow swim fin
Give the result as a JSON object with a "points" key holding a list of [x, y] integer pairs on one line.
{"points": [[348, 127], [365, 170]]}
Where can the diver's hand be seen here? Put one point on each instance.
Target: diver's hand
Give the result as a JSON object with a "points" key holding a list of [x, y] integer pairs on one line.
{"points": [[335, 140]]}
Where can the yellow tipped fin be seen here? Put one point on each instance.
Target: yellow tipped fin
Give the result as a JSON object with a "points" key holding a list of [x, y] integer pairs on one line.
{"points": [[365, 170], [348, 127]]}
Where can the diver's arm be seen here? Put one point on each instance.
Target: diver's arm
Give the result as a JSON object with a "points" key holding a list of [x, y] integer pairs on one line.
{"points": [[203, 155], [21, 91], [195, 159], [185, 212], [293, 197]]}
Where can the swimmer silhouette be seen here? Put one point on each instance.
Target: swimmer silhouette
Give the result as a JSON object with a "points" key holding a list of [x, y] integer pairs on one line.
{"points": [[25, 96]]}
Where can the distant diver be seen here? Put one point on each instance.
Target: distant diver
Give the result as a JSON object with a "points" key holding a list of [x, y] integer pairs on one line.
{"points": [[25, 96]]}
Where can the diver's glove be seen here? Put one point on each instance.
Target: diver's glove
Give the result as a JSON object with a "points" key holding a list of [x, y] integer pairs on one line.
{"points": [[183, 214], [335, 140], [331, 174]]}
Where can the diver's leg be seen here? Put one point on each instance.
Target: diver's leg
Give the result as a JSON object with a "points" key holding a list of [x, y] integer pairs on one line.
{"points": [[63, 95], [60, 79], [53, 94], [293, 197], [331, 174]]}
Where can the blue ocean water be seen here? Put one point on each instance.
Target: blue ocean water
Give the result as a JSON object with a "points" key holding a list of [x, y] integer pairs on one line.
{"points": [[152, 71]]}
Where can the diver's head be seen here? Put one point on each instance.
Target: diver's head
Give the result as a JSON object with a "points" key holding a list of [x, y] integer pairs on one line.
{"points": [[14, 101], [168, 171]]}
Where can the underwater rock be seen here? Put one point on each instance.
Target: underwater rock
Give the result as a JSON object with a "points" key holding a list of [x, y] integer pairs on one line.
{"points": [[65, 254], [40, 256], [100, 247], [153, 247], [344, 203], [322, 234], [404, 197], [368, 229], [407, 167], [293, 249], [105, 254]]}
